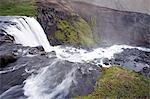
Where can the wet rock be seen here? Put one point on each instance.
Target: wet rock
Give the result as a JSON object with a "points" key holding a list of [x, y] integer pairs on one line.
{"points": [[40, 48], [85, 80], [12, 93], [145, 71], [17, 72], [5, 39], [6, 58], [133, 59], [31, 61], [11, 78], [106, 61]]}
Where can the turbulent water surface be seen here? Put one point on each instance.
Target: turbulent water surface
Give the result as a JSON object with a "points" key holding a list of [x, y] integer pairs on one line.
{"points": [[53, 79]]}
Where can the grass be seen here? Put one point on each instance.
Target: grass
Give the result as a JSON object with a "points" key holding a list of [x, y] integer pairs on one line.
{"points": [[17, 8], [119, 83]]}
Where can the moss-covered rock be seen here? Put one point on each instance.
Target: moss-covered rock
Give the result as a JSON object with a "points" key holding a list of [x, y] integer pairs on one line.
{"points": [[113, 26], [119, 83], [74, 32], [62, 25]]}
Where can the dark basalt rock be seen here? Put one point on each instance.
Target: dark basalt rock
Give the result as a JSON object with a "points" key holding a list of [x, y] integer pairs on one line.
{"points": [[5, 38], [132, 59], [145, 71], [6, 59], [106, 61], [86, 76], [21, 62]]}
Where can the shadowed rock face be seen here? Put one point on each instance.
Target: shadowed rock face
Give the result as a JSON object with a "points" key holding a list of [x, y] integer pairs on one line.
{"points": [[115, 27]]}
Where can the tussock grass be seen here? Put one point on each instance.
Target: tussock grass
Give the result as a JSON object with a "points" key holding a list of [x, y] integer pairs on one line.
{"points": [[119, 83]]}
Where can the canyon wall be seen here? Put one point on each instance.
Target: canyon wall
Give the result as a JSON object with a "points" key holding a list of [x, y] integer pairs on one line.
{"points": [[115, 27], [85, 23]]}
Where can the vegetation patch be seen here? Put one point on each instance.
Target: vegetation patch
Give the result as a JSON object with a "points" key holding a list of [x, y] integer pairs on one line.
{"points": [[17, 7], [93, 24], [119, 83], [74, 32]]}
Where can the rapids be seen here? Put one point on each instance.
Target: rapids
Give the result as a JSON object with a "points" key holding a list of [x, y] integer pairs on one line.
{"points": [[53, 80]]}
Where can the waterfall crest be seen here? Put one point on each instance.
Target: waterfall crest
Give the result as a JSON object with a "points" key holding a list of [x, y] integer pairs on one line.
{"points": [[26, 31]]}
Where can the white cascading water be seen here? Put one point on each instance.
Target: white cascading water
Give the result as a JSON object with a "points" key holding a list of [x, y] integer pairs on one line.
{"points": [[80, 55], [38, 86], [45, 85], [28, 32]]}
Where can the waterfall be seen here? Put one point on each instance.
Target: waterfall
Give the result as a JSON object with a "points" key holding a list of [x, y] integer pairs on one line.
{"points": [[54, 80], [26, 31], [48, 82]]}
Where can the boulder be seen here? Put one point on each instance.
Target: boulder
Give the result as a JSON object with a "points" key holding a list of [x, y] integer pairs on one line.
{"points": [[6, 58]]}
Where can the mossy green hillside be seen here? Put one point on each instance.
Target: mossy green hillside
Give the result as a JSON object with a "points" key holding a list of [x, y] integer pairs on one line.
{"points": [[74, 32], [93, 21], [17, 7], [119, 83]]}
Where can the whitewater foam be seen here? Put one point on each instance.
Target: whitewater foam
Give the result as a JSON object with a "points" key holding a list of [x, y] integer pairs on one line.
{"points": [[80, 55], [45, 84], [27, 31]]}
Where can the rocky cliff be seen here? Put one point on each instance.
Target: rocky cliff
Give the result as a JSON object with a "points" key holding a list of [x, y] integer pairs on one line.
{"points": [[81, 23], [114, 26], [62, 24]]}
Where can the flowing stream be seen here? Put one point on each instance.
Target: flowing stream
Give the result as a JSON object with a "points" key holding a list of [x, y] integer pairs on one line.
{"points": [[44, 85]]}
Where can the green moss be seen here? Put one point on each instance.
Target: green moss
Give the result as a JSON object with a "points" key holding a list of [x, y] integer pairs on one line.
{"points": [[93, 21], [17, 7], [74, 32], [119, 83]]}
